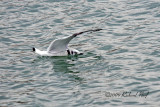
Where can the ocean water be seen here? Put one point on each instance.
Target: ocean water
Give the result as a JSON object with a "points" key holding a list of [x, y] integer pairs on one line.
{"points": [[120, 66]]}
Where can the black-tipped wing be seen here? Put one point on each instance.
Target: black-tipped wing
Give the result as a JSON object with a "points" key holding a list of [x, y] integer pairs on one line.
{"points": [[59, 45], [86, 31]]}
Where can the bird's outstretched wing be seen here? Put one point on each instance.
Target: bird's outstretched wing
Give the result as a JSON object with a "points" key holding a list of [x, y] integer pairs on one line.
{"points": [[60, 45]]}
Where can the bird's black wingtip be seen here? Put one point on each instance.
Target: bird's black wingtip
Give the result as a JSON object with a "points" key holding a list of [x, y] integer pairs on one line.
{"points": [[33, 49], [98, 29], [80, 53]]}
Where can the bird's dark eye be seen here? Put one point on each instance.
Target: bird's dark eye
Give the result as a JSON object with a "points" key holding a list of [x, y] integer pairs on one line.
{"points": [[33, 49]]}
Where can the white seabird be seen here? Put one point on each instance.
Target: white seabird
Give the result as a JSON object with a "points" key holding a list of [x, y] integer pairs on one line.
{"points": [[59, 47]]}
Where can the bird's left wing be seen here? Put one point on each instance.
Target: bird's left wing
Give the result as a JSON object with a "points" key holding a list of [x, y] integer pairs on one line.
{"points": [[59, 45]]}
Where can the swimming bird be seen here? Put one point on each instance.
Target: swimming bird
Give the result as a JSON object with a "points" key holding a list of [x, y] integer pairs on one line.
{"points": [[59, 47]]}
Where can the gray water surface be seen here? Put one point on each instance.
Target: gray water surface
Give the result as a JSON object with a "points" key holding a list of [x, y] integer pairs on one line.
{"points": [[120, 66]]}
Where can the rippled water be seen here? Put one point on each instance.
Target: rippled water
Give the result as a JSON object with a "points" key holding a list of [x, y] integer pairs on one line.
{"points": [[120, 67]]}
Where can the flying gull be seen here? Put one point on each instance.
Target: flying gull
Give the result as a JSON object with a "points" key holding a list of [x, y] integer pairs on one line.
{"points": [[59, 47]]}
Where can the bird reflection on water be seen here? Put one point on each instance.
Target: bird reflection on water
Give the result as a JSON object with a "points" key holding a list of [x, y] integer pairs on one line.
{"points": [[62, 66]]}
